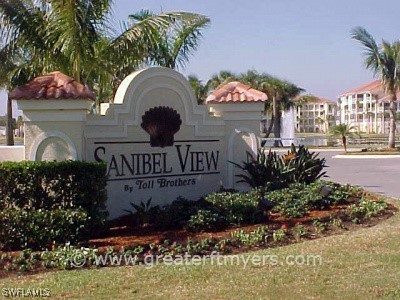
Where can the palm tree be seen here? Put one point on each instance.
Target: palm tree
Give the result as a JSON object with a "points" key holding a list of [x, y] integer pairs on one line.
{"points": [[221, 78], [38, 36], [385, 61], [174, 46], [199, 89], [281, 94], [279, 91], [343, 131]]}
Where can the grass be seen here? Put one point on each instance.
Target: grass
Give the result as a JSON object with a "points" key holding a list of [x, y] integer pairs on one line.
{"points": [[362, 264]]}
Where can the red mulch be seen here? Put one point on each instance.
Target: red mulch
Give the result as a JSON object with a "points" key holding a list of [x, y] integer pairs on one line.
{"points": [[125, 235]]}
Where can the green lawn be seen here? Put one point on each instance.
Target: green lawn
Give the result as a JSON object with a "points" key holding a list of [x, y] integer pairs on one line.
{"points": [[363, 264]]}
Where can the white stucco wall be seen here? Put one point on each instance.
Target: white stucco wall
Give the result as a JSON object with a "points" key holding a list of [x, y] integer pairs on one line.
{"points": [[12, 153]]}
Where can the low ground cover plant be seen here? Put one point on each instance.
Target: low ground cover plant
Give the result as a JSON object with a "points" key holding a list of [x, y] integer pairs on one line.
{"points": [[70, 256]]}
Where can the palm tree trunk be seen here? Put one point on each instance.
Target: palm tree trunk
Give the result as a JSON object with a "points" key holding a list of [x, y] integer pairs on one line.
{"points": [[344, 140], [270, 126], [9, 126], [278, 126], [392, 129], [277, 121]]}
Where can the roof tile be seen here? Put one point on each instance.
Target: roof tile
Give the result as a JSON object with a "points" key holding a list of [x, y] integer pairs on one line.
{"points": [[55, 85], [236, 92], [375, 87]]}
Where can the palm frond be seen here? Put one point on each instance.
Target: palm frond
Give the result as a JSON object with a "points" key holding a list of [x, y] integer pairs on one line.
{"points": [[371, 49]]}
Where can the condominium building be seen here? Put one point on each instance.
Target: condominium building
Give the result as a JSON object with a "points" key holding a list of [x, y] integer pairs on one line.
{"points": [[366, 108], [316, 115]]}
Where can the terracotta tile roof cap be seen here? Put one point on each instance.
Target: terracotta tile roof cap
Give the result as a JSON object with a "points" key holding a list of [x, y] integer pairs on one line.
{"points": [[236, 92], [55, 85]]}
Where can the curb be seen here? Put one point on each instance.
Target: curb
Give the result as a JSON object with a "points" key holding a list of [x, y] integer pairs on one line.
{"points": [[366, 156]]}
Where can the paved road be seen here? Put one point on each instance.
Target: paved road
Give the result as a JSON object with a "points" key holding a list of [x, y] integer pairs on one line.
{"points": [[380, 175]]}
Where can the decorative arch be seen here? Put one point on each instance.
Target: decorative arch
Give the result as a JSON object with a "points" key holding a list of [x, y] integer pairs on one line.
{"points": [[48, 134], [130, 96]]}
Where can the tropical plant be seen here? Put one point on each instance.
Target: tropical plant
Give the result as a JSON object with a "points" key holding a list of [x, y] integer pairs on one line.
{"points": [[271, 171], [265, 170], [76, 38], [343, 131], [281, 94], [385, 61], [221, 78], [175, 44], [306, 167], [143, 212], [199, 89]]}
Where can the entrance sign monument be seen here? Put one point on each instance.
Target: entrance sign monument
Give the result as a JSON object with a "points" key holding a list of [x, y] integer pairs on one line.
{"points": [[156, 140]]}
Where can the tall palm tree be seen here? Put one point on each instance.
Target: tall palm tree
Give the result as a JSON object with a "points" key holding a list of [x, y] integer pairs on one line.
{"points": [[199, 89], [343, 131], [385, 61], [76, 37], [175, 45]]}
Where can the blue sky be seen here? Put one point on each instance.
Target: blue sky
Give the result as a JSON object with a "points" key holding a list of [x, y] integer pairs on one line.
{"points": [[307, 42]]}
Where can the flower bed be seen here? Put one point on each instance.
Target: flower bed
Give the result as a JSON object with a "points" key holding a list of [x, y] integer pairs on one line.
{"points": [[288, 203], [357, 211]]}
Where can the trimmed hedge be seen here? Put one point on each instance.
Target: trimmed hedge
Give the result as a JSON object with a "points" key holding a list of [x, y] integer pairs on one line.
{"points": [[48, 195], [41, 229], [55, 185]]}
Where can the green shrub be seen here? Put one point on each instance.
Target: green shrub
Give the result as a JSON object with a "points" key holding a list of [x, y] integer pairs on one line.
{"points": [[176, 214], [288, 203], [297, 199], [41, 229], [238, 208], [206, 220], [55, 185]]}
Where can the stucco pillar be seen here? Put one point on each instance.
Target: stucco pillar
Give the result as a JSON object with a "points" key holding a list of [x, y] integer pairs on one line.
{"points": [[54, 128]]}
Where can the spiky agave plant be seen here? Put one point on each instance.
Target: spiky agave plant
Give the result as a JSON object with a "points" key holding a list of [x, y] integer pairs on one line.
{"points": [[305, 166], [143, 212], [266, 171]]}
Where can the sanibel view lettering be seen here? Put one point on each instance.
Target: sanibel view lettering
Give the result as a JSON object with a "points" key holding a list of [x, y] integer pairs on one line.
{"points": [[142, 164]]}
